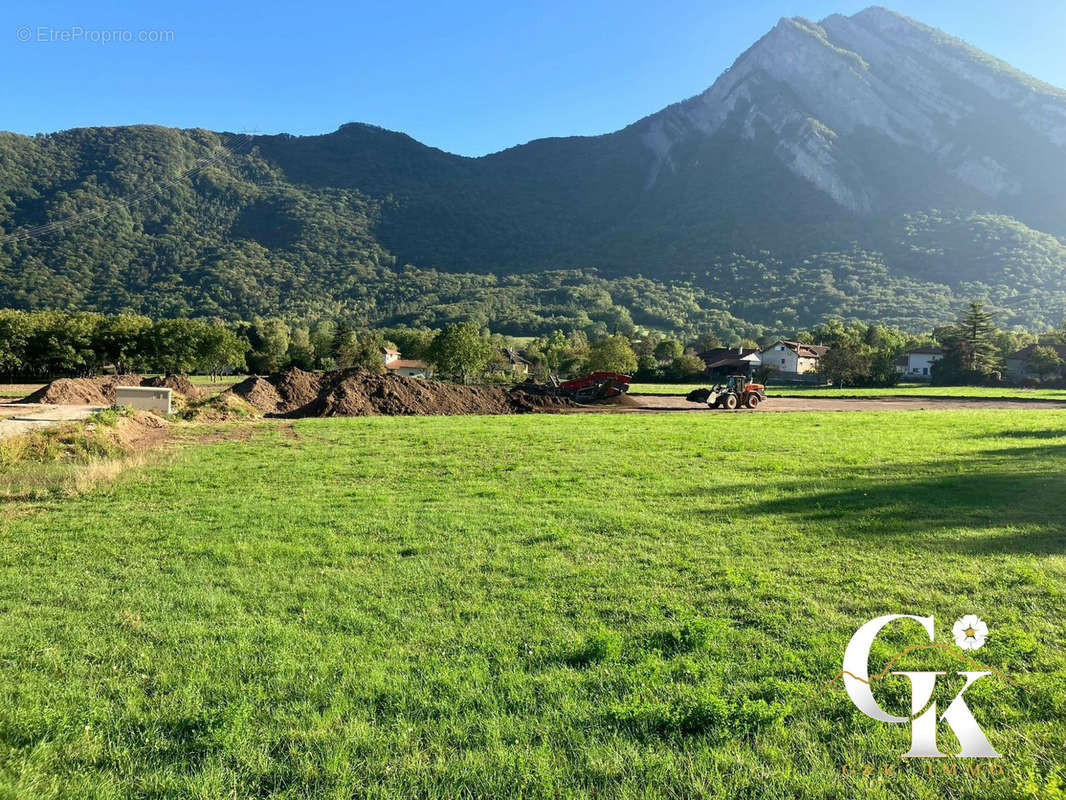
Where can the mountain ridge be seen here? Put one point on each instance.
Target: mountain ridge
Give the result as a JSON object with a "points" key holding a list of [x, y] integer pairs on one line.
{"points": [[867, 139]]}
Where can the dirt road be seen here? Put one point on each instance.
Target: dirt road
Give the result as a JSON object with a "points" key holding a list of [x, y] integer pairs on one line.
{"points": [[649, 402], [17, 418]]}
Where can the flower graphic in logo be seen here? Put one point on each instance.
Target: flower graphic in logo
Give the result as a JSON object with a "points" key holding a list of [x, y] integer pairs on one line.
{"points": [[969, 632]]}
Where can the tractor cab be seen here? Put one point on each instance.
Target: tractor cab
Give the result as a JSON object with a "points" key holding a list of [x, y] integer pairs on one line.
{"points": [[736, 383]]}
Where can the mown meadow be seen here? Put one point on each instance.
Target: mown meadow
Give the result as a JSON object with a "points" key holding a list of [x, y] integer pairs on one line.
{"points": [[535, 606]]}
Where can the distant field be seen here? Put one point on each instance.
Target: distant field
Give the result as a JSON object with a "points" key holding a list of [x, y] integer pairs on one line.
{"points": [[898, 391], [221, 383], [535, 606]]}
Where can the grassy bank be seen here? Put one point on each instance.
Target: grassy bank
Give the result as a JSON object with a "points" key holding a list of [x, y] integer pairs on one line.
{"points": [[66, 459], [540, 606]]}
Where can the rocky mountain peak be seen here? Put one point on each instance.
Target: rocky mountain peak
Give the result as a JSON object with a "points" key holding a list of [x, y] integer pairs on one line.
{"points": [[817, 88]]}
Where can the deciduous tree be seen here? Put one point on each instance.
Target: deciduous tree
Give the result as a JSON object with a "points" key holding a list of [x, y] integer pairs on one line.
{"points": [[460, 351], [221, 349], [612, 354], [845, 364], [270, 343], [668, 349], [1043, 361]]}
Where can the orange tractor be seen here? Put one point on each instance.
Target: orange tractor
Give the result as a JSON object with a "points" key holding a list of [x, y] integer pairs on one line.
{"points": [[737, 392]]}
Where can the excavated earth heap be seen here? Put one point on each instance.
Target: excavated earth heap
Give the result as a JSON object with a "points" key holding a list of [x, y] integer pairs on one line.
{"points": [[101, 391], [361, 393]]}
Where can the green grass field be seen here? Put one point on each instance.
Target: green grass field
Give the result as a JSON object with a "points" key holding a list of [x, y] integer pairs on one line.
{"points": [[208, 381], [536, 606], [908, 390]]}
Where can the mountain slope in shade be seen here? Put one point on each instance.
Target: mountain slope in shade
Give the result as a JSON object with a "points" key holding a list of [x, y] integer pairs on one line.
{"points": [[858, 156]]}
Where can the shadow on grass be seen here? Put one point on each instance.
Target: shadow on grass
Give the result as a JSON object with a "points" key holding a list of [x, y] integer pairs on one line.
{"points": [[1023, 435], [918, 510], [1035, 451]]}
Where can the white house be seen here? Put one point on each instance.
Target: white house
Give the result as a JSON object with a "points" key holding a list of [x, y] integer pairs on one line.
{"points": [[389, 355], [409, 368], [406, 367], [918, 363], [793, 358]]}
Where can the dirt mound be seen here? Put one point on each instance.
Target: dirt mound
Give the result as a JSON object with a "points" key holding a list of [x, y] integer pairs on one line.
{"points": [[526, 402], [142, 430], [224, 407], [179, 383], [297, 388], [257, 392], [82, 391], [360, 393], [623, 400], [130, 430], [101, 391]]}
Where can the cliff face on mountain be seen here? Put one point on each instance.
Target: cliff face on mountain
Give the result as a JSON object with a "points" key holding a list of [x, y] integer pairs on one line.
{"points": [[837, 95], [856, 166]]}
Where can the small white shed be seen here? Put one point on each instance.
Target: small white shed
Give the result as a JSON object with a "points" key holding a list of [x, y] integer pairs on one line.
{"points": [[146, 398]]}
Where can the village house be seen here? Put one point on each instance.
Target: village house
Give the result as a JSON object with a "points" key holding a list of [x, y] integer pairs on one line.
{"points": [[792, 359], [918, 363], [725, 361], [405, 367], [1018, 367]]}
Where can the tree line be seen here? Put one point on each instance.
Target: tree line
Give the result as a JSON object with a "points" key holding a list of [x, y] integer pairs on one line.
{"points": [[44, 345], [975, 351]]}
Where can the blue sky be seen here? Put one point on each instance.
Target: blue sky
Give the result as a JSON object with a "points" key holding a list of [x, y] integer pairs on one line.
{"points": [[470, 77]]}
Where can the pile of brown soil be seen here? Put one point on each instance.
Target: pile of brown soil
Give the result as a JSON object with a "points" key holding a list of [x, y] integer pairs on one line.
{"points": [[526, 402], [361, 393], [623, 400], [258, 392], [179, 383], [82, 391], [298, 388], [101, 391], [142, 430]]}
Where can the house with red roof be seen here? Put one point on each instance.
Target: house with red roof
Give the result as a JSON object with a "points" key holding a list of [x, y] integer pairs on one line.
{"points": [[406, 367]]}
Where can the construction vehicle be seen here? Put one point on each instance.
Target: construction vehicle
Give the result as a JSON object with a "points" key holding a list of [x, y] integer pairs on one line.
{"points": [[596, 387], [738, 392], [592, 388]]}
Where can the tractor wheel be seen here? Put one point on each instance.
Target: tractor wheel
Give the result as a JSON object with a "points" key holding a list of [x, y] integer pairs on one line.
{"points": [[729, 402], [753, 401]]}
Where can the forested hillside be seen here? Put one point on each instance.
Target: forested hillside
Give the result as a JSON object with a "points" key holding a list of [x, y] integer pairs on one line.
{"points": [[812, 180]]}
